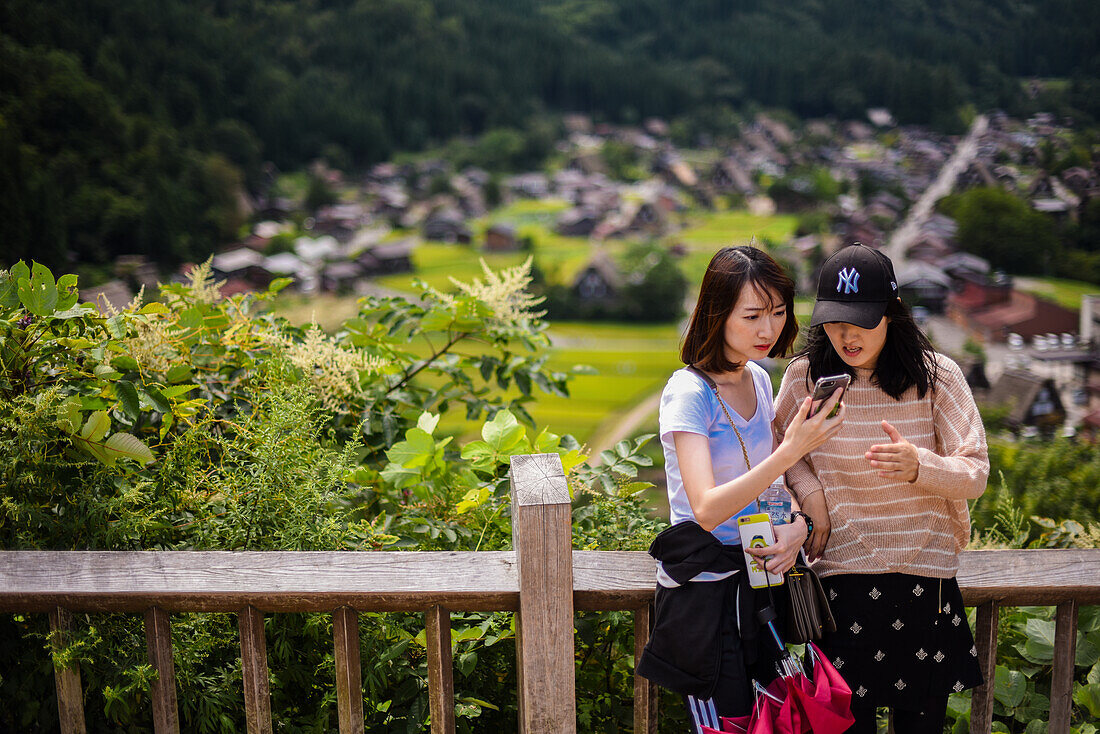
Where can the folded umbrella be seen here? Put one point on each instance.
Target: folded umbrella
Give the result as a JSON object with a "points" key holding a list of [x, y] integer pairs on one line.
{"points": [[795, 703], [825, 700]]}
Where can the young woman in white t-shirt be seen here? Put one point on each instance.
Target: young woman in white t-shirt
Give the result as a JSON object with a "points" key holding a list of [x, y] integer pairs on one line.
{"points": [[745, 312]]}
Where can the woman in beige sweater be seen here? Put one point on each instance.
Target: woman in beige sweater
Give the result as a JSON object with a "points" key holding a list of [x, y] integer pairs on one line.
{"points": [[888, 496]]}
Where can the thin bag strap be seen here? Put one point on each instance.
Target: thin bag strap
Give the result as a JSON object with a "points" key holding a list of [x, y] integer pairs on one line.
{"points": [[722, 403]]}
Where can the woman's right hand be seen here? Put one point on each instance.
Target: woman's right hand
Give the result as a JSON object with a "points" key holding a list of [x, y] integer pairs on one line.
{"points": [[816, 506], [804, 434]]}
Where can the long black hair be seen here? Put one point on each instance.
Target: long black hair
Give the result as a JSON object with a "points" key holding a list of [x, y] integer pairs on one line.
{"points": [[907, 357]]}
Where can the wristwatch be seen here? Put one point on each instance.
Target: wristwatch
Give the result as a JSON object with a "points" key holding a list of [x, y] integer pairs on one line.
{"points": [[809, 521]]}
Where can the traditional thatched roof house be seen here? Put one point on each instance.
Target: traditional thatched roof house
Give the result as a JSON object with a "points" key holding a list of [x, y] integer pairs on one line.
{"points": [[1031, 400], [577, 222], [388, 257], [923, 284], [599, 281], [446, 225], [501, 238]]}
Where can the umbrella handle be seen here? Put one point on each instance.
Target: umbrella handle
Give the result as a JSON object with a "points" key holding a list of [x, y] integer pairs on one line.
{"points": [[761, 690]]}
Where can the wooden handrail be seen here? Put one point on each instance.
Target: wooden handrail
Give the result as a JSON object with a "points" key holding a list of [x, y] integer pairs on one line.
{"points": [[412, 581], [542, 580]]}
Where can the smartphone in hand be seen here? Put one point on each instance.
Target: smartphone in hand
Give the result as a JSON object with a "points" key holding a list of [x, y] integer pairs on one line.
{"points": [[824, 389]]}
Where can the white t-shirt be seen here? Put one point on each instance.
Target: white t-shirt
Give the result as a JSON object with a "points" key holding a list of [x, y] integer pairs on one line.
{"points": [[688, 404]]}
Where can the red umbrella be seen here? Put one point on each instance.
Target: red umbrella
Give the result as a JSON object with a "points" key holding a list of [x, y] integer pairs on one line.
{"points": [[797, 704], [826, 699]]}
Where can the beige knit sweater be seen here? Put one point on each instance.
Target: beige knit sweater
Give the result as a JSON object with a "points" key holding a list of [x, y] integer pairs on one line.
{"points": [[881, 525]]}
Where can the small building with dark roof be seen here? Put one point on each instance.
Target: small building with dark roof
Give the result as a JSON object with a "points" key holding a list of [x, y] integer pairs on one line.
{"points": [[1031, 401]]}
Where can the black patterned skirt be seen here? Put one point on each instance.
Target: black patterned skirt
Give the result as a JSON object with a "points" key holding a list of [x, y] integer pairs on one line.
{"points": [[900, 639]]}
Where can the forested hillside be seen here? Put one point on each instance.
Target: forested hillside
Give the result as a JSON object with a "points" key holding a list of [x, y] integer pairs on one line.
{"points": [[127, 126]]}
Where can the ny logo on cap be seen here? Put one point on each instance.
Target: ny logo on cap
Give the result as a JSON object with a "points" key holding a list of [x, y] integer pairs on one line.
{"points": [[849, 279]]}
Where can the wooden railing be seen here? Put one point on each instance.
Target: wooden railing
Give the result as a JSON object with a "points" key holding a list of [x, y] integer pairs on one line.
{"points": [[542, 580]]}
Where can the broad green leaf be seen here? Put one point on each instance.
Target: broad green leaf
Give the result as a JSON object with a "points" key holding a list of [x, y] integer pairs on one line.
{"points": [[39, 292], [399, 476], [106, 372], [154, 308], [1036, 726], [175, 391], [123, 445], [1009, 687], [1039, 647], [474, 498], [633, 488], [1087, 696], [9, 291], [503, 433], [416, 450], [75, 342], [69, 413], [179, 373], [1088, 649], [278, 284], [546, 442], [95, 428], [67, 294], [76, 312], [128, 396], [116, 327], [427, 422], [125, 363], [156, 399], [479, 455], [571, 459], [436, 320], [166, 424]]}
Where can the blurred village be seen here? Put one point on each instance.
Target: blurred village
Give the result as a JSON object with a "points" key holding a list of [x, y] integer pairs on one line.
{"points": [[1033, 362]]}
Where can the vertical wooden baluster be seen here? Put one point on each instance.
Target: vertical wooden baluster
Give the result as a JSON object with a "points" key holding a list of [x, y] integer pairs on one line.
{"points": [[349, 672], [1065, 650], [158, 641], [441, 682], [645, 692], [985, 637], [70, 697], [257, 698], [542, 539]]}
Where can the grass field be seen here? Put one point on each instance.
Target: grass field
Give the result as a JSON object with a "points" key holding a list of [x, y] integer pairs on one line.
{"points": [[1065, 293], [708, 231]]}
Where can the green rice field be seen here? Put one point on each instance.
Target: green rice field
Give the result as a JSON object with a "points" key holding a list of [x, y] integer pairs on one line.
{"points": [[632, 361]]}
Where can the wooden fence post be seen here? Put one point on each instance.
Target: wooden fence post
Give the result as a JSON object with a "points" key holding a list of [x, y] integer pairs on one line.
{"points": [[441, 682], [257, 697], [1065, 651], [985, 638], [542, 539], [158, 641], [645, 692], [70, 696], [349, 671]]}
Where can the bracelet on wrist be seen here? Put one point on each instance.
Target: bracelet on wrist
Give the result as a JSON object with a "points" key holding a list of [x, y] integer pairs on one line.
{"points": [[807, 518]]}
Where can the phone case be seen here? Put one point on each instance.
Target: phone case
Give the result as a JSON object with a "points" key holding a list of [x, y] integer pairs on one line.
{"points": [[756, 531]]}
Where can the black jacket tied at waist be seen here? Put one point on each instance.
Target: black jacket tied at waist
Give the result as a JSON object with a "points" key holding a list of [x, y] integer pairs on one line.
{"points": [[685, 646]]}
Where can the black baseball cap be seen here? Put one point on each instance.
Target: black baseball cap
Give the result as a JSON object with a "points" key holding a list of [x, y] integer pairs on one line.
{"points": [[854, 287]]}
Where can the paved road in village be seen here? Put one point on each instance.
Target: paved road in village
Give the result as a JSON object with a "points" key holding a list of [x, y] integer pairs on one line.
{"points": [[959, 161]]}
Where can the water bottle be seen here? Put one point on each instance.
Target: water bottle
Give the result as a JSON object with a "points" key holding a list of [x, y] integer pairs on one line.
{"points": [[776, 501]]}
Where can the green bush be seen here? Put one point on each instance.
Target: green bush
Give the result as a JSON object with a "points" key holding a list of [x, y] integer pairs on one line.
{"points": [[208, 423]]}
